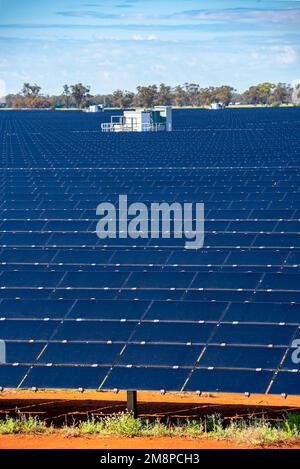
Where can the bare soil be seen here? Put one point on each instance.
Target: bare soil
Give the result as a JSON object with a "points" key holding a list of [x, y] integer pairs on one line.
{"points": [[60, 407], [57, 441]]}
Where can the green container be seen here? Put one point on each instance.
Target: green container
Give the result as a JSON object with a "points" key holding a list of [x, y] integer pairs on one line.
{"points": [[156, 117]]}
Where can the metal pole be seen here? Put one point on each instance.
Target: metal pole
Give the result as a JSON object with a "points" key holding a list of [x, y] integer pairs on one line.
{"points": [[132, 403]]}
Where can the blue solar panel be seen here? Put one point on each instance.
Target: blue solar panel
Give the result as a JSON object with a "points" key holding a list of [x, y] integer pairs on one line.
{"points": [[24, 330], [173, 332], [78, 311], [185, 311], [229, 381], [82, 354], [23, 352], [61, 377], [159, 355], [144, 378], [241, 357], [256, 334], [34, 309], [91, 331], [286, 383], [30, 279], [12, 375], [258, 313]]}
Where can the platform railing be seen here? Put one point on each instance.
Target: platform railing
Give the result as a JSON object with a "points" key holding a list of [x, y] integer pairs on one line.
{"points": [[123, 127]]}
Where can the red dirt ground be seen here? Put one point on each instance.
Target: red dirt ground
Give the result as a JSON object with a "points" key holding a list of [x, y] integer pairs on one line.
{"points": [[56, 441], [60, 407]]}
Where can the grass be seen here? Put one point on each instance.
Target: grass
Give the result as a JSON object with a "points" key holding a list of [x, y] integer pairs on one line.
{"points": [[23, 424], [250, 431]]}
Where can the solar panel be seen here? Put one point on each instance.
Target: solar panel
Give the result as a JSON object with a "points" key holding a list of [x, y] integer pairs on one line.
{"points": [[216, 380], [27, 330], [239, 357], [160, 355], [80, 353], [143, 379], [34, 308], [257, 334], [61, 377], [286, 383], [185, 311], [146, 313], [275, 313]]}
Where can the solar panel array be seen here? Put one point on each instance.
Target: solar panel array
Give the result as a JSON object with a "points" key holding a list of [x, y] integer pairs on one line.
{"points": [[147, 314]]}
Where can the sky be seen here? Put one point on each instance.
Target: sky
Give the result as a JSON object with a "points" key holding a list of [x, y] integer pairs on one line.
{"points": [[119, 44]]}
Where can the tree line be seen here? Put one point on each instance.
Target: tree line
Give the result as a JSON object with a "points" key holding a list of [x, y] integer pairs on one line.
{"points": [[189, 94]]}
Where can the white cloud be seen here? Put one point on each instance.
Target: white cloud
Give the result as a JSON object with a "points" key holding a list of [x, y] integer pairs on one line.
{"points": [[286, 55], [283, 55], [137, 37]]}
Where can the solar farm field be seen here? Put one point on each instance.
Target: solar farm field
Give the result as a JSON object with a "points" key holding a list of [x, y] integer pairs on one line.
{"points": [[147, 314]]}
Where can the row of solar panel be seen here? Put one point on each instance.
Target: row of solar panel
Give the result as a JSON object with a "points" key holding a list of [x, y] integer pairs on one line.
{"points": [[152, 280], [225, 239], [184, 150], [151, 355], [262, 296], [82, 226], [194, 311], [215, 192], [64, 214], [155, 331], [289, 269], [160, 257], [139, 378]]}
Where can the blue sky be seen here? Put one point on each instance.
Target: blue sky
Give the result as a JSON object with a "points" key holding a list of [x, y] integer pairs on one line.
{"points": [[110, 44]]}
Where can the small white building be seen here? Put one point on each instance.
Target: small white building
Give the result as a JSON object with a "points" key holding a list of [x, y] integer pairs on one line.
{"points": [[137, 121], [217, 106], [142, 120], [95, 108]]}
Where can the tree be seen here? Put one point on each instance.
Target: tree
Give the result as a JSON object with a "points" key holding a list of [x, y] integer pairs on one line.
{"points": [[10, 99], [296, 92], [192, 90], [264, 92], [206, 96], [282, 93], [223, 94], [36, 102], [29, 90], [66, 95], [80, 93], [30, 97], [189, 94], [236, 98], [105, 99], [180, 96], [146, 95], [122, 99], [259, 94], [40, 102], [251, 95], [164, 95]]}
